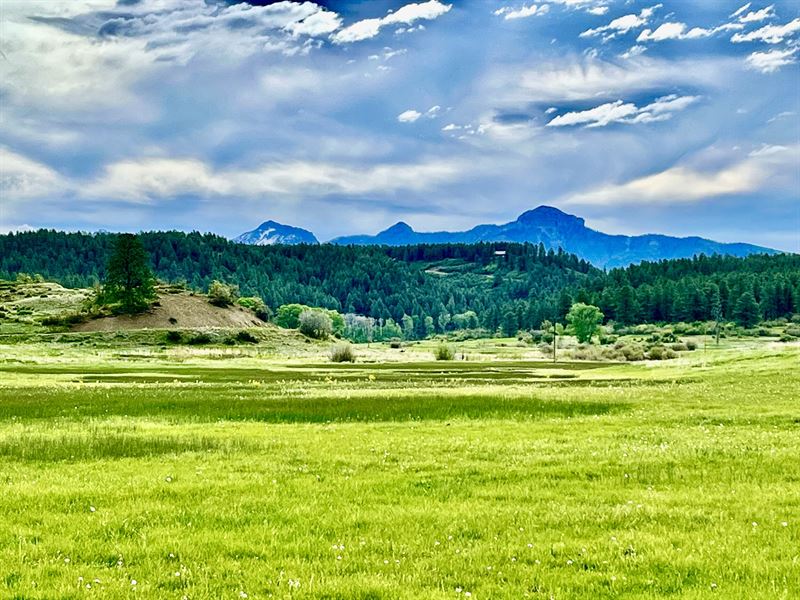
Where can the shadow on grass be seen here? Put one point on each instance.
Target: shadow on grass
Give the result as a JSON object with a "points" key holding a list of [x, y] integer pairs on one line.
{"points": [[267, 404], [103, 444]]}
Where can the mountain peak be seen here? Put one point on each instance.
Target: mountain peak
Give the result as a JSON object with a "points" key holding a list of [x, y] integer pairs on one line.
{"points": [[401, 227], [271, 232], [548, 215]]}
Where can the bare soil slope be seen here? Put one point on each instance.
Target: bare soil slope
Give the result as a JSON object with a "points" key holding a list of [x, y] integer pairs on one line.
{"points": [[188, 311]]}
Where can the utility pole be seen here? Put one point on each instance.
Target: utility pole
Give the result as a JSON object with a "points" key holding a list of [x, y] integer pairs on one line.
{"points": [[555, 335]]}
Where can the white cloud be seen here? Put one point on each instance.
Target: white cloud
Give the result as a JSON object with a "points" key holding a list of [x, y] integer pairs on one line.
{"points": [[597, 10], [622, 25], [409, 116], [771, 60], [678, 31], [759, 15], [320, 23], [740, 10], [522, 12], [600, 116], [405, 15], [146, 180], [618, 112], [633, 52], [21, 177], [685, 184], [585, 80], [772, 34]]}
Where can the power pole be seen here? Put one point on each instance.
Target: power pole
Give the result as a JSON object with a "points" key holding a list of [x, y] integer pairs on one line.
{"points": [[555, 335]]}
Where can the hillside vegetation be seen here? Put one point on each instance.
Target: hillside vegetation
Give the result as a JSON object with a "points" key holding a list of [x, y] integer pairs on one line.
{"points": [[509, 286]]}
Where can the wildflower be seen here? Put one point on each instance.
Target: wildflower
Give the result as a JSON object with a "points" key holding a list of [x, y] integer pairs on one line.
{"points": [[713, 586], [468, 594], [92, 509], [134, 582], [66, 560], [168, 479], [458, 590], [242, 594], [784, 524], [177, 573], [339, 557]]}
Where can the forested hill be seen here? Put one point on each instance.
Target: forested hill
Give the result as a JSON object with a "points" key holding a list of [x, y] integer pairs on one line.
{"points": [[507, 285]]}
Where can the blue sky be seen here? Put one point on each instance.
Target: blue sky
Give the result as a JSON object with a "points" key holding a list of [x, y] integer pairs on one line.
{"points": [[345, 116]]}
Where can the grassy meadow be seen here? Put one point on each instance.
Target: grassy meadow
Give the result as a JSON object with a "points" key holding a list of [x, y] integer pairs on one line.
{"points": [[142, 471]]}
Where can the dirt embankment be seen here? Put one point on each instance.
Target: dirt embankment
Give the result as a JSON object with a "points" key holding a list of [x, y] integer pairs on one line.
{"points": [[177, 311]]}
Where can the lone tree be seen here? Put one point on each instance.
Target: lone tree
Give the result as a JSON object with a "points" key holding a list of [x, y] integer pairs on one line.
{"points": [[129, 280], [585, 320], [747, 313]]}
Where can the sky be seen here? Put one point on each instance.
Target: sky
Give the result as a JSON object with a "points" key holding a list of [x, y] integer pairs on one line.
{"points": [[346, 116]]}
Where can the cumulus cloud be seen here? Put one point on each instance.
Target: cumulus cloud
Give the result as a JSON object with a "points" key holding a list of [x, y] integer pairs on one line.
{"points": [[685, 184], [771, 34], [758, 15], [619, 112], [622, 25], [405, 15], [522, 12], [680, 31], [771, 60], [409, 116]]}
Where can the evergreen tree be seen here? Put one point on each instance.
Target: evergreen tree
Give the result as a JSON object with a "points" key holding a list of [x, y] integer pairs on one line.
{"points": [[129, 280], [747, 313]]}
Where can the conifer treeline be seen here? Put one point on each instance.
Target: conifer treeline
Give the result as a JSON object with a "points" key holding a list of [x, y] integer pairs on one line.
{"points": [[434, 285]]}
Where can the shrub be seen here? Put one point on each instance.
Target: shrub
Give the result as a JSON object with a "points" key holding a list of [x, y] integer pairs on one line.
{"points": [[691, 345], [174, 337], [222, 294], [444, 352], [258, 306], [246, 336], [315, 324], [395, 344], [679, 347], [199, 339], [657, 353], [631, 351], [173, 321], [343, 352]]}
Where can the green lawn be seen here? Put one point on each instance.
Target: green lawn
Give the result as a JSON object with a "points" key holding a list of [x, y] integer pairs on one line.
{"points": [[211, 475]]}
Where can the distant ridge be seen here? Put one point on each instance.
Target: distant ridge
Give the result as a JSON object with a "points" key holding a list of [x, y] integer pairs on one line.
{"points": [[555, 229]]}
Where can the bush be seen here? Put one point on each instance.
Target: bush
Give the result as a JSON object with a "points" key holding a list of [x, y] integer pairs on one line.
{"points": [[630, 351], [679, 347], [657, 353], [258, 306], [199, 339], [246, 336], [395, 344], [444, 352], [222, 294], [691, 345], [315, 324], [174, 337], [343, 352]]}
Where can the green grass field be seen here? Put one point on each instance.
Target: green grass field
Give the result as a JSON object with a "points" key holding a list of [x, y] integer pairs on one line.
{"points": [[218, 473]]}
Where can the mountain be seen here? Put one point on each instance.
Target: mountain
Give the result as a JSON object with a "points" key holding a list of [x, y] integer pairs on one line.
{"points": [[270, 232], [556, 229]]}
